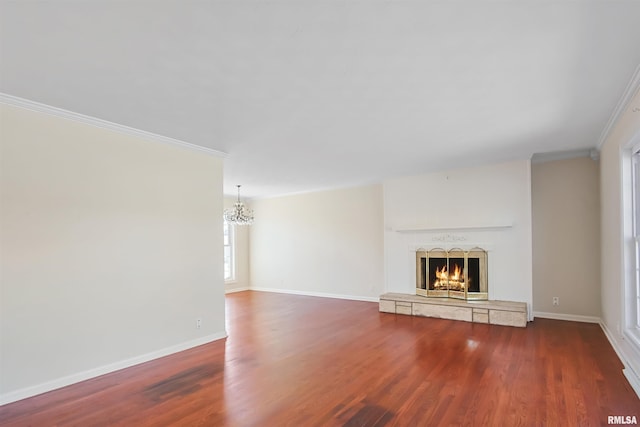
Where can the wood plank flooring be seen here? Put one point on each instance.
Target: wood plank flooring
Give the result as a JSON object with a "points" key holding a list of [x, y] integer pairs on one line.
{"points": [[303, 361]]}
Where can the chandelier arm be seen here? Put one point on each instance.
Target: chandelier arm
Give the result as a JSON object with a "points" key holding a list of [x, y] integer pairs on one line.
{"points": [[239, 215]]}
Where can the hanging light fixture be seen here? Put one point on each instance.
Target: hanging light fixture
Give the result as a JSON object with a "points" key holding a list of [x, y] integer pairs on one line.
{"points": [[239, 215]]}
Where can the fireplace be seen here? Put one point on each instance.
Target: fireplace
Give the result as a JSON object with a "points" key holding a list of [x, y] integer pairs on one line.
{"points": [[453, 273]]}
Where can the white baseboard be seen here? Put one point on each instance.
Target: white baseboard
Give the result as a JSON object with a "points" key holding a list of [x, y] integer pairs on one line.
{"points": [[316, 294], [607, 334], [232, 290], [629, 373], [569, 317], [112, 367], [633, 379]]}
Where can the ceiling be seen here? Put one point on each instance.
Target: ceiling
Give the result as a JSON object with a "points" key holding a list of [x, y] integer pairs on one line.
{"points": [[309, 94]]}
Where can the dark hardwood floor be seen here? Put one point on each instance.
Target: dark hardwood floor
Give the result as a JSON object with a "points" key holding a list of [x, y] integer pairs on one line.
{"points": [[304, 361]]}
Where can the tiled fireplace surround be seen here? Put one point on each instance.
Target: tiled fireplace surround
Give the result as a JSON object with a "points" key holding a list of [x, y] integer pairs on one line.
{"points": [[507, 313]]}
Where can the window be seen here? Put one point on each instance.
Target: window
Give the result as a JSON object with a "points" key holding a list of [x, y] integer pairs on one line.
{"points": [[229, 253], [635, 197], [631, 203]]}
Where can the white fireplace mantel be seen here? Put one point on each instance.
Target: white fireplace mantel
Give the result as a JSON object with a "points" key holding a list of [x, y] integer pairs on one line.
{"points": [[458, 228]]}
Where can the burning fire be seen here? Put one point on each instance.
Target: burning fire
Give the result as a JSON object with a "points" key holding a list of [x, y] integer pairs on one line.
{"points": [[453, 281]]}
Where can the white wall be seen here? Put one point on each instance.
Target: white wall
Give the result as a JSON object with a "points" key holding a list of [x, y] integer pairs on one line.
{"points": [[111, 248], [487, 206], [614, 180], [566, 238], [242, 279], [327, 242]]}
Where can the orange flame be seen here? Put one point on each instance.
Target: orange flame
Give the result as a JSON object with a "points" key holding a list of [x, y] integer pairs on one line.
{"points": [[454, 281]]}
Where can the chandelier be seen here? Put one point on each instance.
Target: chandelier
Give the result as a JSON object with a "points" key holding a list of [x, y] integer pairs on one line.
{"points": [[239, 215]]}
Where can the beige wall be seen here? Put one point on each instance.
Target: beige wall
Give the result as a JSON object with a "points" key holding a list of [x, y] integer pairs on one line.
{"points": [[242, 280], [328, 242], [617, 266], [111, 248], [566, 236]]}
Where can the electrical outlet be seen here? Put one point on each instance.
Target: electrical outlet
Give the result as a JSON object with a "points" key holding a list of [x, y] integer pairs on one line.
{"points": [[198, 323], [556, 301]]}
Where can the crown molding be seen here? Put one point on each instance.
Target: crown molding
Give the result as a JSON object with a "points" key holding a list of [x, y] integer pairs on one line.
{"points": [[565, 155], [104, 124], [623, 103]]}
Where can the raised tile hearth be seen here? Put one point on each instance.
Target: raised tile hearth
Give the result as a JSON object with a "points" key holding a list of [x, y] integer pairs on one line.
{"points": [[504, 313]]}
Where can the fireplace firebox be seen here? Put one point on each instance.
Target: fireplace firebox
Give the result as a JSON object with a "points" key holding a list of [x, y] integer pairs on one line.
{"points": [[453, 273]]}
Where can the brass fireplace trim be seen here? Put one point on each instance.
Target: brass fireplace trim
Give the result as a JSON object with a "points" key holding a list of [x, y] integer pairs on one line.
{"points": [[422, 273]]}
